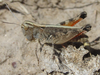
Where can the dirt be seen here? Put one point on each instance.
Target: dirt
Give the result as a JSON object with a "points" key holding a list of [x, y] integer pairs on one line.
{"points": [[19, 56]]}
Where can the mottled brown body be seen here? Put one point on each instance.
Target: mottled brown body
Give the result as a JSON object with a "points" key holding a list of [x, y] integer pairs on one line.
{"points": [[55, 34], [50, 34]]}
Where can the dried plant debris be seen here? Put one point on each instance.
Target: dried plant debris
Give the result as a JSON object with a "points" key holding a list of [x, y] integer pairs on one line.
{"points": [[22, 57]]}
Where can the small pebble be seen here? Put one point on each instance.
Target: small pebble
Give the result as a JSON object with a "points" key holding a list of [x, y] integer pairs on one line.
{"points": [[14, 64]]}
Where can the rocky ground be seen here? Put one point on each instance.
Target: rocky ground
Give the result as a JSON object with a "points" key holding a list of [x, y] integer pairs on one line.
{"points": [[19, 56]]}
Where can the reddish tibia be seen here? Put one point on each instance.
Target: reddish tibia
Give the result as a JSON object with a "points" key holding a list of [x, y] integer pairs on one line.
{"points": [[78, 34], [72, 23]]}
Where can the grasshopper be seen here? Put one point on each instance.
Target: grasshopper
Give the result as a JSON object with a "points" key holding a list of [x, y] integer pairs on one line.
{"points": [[55, 34]]}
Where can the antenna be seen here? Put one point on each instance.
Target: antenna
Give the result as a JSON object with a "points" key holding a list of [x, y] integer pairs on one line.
{"points": [[12, 12]]}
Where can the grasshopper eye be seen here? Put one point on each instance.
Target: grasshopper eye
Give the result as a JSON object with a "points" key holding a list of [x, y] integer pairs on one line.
{"points": [[83, 15]]}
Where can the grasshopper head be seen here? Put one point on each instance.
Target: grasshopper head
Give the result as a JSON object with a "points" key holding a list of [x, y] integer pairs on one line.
{"points": [[27, 29]]}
